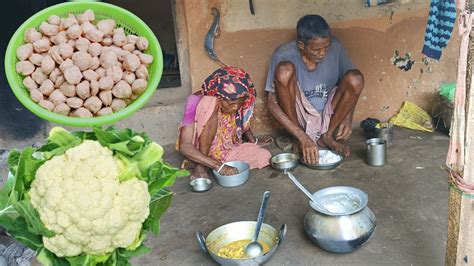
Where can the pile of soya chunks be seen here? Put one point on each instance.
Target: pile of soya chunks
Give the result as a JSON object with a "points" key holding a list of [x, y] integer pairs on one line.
{"points": [[77, 67]]}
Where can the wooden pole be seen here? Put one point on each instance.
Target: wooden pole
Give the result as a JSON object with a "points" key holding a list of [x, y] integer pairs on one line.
{"points": [[460, 242]]}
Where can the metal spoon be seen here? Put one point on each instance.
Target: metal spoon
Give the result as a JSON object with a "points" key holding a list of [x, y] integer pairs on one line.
{"points": [[253, 249], [220, 168], [306, 192]]}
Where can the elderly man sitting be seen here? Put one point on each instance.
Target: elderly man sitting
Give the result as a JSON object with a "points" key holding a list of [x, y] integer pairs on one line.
{"points": [[313, 89]]}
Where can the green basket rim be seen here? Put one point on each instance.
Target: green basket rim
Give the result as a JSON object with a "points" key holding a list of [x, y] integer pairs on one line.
{"points": [[25, 99]]}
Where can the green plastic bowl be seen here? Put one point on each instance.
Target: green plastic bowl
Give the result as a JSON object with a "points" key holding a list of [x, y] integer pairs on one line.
{"points": [[125, 19]]}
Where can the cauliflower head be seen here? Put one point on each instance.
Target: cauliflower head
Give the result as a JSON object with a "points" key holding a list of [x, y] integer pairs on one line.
{"points": [[79, 197]]}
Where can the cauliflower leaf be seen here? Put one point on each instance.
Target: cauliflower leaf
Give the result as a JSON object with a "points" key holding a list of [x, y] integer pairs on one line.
{"points": [[39, 216]]}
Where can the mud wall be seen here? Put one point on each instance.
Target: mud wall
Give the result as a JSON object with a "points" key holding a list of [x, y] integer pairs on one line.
{"points": [[371, 36]]}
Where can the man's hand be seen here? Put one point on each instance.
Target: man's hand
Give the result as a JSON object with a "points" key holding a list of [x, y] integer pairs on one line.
{"points": [[309, 149], [344, 131]]}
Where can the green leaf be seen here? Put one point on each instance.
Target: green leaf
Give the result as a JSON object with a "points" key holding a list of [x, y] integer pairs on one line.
{"points": [[112, 261], [162, 175], [138, 241], [121, 147], [116, 260], [62, 137], [159, 203], [128, 169], [148, 156], [8, 210], [50, 150], [140, 250], [10, 224], [19, 230], [59, 141], [122, 141], [35, 226], [5, 206], [13, 159], [112, 135], [47, 258], [83, 135], [88, 260], [25, 170]]}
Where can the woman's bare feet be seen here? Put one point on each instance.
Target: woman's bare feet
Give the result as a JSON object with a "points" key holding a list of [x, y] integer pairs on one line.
{"points": [[328, 141], [199, 171]]}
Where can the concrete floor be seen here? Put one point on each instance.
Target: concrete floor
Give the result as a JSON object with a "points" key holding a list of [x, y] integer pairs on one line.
{"points": [[409, 196]]}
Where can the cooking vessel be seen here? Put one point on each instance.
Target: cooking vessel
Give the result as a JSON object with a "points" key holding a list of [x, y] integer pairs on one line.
{"points": [[243, 230], [349, 224]]}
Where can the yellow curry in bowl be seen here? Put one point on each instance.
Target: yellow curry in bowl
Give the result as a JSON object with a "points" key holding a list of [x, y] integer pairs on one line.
{"points": [[236, 249]]}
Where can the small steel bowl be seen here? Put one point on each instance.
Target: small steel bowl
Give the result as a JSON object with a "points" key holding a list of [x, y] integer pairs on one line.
{"points": [[284, 161], [323, 166], [234, 180], [200, 184]]}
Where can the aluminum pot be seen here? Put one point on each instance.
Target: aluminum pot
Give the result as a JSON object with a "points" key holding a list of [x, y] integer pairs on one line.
{"points": [[234, 180], [349, 225], [243, 230]]}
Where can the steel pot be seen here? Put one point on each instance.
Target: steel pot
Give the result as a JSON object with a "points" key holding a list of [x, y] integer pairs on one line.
{"points": [[234, 180], [350, 224], [229, 233]]}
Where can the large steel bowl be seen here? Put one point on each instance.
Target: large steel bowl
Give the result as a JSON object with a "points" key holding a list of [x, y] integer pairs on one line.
{"points": [[349, 225], [234, 180], [284, 161], [244, 230]]}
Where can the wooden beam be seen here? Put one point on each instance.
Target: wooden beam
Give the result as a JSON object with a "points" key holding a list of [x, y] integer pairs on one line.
{"points": [[460, 242]]}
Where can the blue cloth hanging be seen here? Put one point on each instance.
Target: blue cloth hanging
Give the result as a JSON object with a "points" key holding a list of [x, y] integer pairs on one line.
{"points": [[440, 25]]}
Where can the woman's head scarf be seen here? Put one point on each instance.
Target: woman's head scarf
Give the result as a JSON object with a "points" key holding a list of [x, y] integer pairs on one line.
{"points": [[231, 83]]}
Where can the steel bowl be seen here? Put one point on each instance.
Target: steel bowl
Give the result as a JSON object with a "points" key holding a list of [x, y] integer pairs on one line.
{"points": [[243, 230], [324, 166], [234, 180], [348, 226], [284, 161], [200, 184]]}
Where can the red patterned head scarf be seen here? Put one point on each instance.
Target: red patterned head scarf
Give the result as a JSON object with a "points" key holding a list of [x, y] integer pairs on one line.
{"points": [[231, 83]]}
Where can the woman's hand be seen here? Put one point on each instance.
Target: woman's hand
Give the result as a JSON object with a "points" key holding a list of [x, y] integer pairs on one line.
{"points": [[228, 170], [264, 141]]}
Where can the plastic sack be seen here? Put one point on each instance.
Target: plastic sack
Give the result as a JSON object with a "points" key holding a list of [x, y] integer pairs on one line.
{"points": [[412, 116], [447, 91]]}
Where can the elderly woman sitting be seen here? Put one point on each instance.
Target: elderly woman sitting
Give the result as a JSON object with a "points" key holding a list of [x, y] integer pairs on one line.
{"points": [[215, 121]]}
